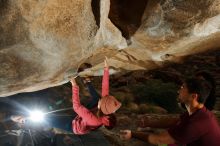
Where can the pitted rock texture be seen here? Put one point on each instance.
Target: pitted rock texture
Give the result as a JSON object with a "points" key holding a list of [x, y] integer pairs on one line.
{"points": [[42, 42]]}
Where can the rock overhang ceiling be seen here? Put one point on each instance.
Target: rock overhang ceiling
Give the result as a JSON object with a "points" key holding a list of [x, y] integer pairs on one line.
{"points": [[42, 42]]}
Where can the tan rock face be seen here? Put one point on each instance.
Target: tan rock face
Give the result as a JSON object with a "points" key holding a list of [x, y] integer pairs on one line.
{"points": [[42, 42]]}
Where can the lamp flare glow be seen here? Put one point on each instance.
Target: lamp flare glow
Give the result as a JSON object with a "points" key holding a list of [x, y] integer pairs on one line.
{"points": [[36, 116]]}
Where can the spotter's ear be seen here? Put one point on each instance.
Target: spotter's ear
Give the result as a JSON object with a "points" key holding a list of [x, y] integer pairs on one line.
{"points": [[195, 96]]}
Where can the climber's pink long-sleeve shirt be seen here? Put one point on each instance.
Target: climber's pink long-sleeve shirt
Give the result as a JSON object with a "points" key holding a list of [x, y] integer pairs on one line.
{"points": [[86, 121], [105, 82]]}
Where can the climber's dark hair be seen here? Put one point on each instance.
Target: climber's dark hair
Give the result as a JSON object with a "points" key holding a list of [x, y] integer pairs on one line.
{"points": [[84, 66]]}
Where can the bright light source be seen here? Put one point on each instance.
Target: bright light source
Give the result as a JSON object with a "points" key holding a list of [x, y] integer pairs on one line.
{"points": [[36, 116]]}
